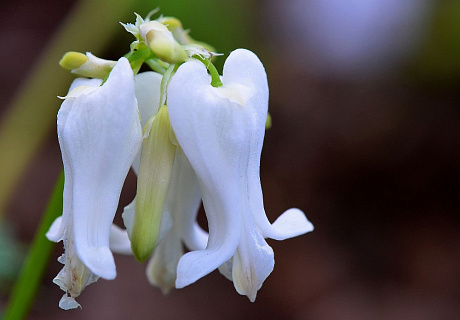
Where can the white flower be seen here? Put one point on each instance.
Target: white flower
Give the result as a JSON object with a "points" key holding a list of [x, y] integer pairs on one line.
{"points": [[99, 134], [221, 132]]}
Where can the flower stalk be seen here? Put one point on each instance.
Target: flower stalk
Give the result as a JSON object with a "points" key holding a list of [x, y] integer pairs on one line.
{"points": [[34, 266]]}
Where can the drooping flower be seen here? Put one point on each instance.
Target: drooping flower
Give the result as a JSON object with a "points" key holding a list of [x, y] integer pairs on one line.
{"points": [[221, 132], [99, 134]]}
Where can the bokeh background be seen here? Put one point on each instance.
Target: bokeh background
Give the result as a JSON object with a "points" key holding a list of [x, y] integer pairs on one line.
{"points": [[364, 96]]}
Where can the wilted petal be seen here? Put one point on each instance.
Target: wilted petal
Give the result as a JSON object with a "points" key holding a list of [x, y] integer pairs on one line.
{"points": [[74, 277]]}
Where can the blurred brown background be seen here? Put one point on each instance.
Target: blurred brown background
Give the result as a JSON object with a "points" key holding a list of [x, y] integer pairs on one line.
{"points": [[364, 97]]}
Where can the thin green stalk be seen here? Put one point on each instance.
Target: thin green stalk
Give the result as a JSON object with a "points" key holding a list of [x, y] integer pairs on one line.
{"points": [[215, 78], [165, 82], [27, 284]]}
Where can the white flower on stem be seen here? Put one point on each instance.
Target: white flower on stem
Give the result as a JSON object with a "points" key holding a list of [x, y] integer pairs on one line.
{"points": [[99, 134], [221, 132]]}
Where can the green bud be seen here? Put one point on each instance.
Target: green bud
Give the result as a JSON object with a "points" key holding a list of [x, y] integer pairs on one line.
{"points": [[152, 184]]}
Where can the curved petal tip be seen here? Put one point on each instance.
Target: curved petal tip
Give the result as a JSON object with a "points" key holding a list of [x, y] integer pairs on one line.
{"points": [[100, 261], [292, 223], [55, 233]]}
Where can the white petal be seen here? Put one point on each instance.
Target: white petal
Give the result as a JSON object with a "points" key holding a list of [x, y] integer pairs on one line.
{"points": [[55, 232], [119, 240], [161, 270], [147, 87], [243, 67], [85, 82], [226, 269], [213, 133], [291, 223], [183, 201], [128, 217], [100, 137], [252, 263]]}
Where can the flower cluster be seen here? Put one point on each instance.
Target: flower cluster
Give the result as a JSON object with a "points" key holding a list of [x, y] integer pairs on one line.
{"points": [[190, 136]]}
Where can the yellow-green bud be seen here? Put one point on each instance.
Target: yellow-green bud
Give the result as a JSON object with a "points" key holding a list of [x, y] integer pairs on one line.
{"points": [[152, 184], [171, 22], [162, 43], [182, 36], [87, 65], [73, 60]]}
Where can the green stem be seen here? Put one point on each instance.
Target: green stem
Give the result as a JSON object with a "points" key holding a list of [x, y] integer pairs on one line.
{"points": [[137, 57], [215, 82], [157, 65], [165, 82], [27, 284]]}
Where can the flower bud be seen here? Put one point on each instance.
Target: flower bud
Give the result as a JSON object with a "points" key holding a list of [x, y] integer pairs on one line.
{"points": [[152, 184], [73, 60], [87, 65], [182, 36], [161, 41]]}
